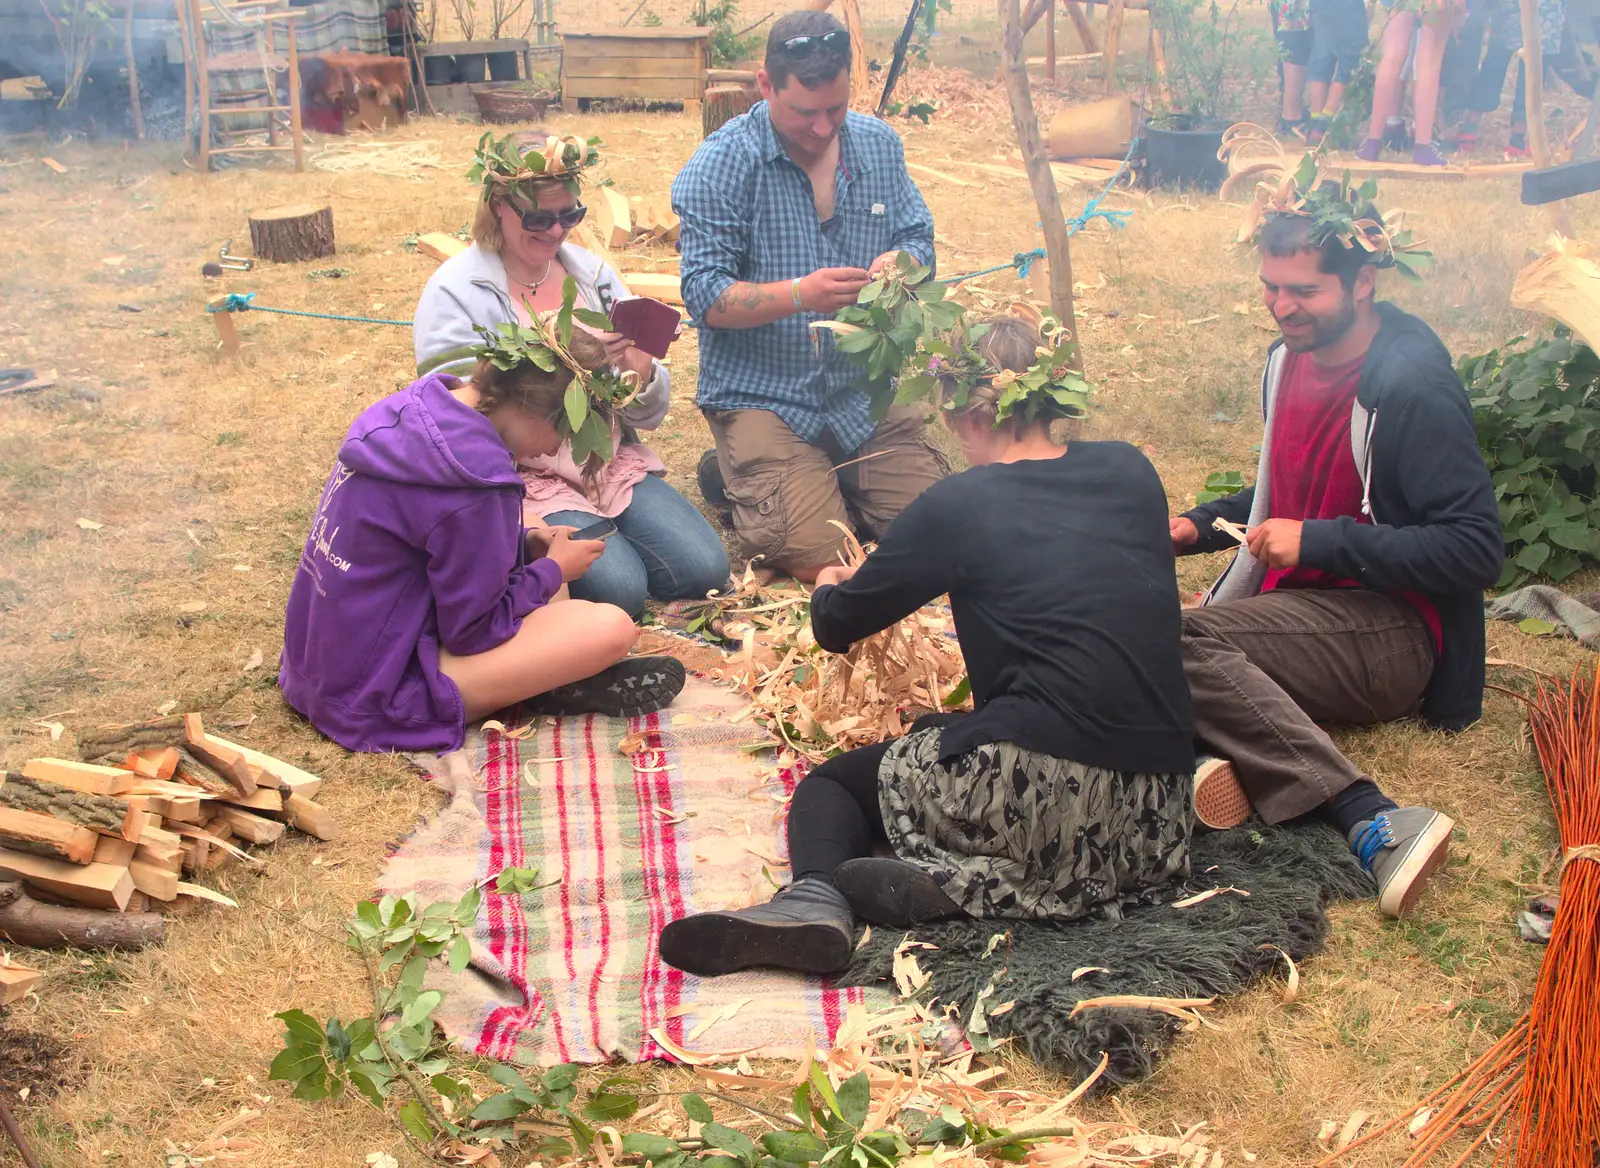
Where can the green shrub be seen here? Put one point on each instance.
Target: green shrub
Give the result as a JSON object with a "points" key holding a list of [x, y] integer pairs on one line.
{"points": [[1537, 408]]}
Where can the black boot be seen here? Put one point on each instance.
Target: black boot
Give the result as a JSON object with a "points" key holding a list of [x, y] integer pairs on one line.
{"points": [[708, 473], [631, 687], [885, 891], [806, 926]]}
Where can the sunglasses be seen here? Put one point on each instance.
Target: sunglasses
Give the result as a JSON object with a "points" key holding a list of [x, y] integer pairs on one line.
{"points": [[801, 47], [540, 221]]}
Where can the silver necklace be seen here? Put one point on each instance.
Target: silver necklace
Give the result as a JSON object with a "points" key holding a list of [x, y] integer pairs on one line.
{"points": [[533, 287]]}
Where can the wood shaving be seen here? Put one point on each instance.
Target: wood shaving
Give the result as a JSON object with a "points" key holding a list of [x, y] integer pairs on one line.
{"points": [[1291, 990], [1199, 897]]}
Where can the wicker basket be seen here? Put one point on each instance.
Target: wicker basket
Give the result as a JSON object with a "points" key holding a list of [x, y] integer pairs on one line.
{"points": [[512, 104]]}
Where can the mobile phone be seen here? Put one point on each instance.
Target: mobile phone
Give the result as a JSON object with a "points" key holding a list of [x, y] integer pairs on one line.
{"points": [[605, 529]]}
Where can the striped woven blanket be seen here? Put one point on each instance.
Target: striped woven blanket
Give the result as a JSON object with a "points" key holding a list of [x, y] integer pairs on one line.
{"points": [[631, 825]]}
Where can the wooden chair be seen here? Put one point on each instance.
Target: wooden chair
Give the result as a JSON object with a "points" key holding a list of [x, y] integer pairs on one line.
{"points": [[265, 57]]}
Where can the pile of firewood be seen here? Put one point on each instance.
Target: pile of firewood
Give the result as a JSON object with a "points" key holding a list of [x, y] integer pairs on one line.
{"points": [[620, 221], [90, 848]]}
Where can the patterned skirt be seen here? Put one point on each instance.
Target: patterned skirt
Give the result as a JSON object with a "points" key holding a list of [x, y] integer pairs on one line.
{"points": [[1010, 833]]}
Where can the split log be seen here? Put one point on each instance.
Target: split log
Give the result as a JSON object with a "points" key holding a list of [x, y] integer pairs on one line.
{"points": [[289, 777], [437, 245], [153, 762], [45, 835], [265, 799], [117, 742], [15, 980], [289, 234], [613, 218], [25, 921], [89, 778], [102, 813], [110, 849], [723, 103], [195, 852], [251, 828], [93, 885], [312, 818], [153, 880], [229, 763], [195, 773]]}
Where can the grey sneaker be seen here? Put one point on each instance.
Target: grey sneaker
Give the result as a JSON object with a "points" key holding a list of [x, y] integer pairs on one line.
{"points": [[887, 891], [806, 926], [1401, 848]]}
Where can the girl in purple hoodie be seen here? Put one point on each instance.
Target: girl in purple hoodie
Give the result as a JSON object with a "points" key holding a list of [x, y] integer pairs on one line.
{"points": [[420, 605]]}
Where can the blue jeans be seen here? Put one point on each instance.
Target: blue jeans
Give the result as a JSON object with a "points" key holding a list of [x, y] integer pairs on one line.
{"points": [[1339, 37], [663, 550]]}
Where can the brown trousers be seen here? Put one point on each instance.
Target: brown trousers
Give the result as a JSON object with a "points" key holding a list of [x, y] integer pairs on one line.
{"points": [[787, 494], [1264, 671]]}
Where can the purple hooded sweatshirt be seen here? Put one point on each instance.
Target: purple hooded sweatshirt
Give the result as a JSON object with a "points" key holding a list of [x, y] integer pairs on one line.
{"points": [[416, 545]]}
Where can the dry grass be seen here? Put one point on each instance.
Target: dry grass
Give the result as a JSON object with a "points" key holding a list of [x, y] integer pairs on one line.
{"points": [[204, 472]]}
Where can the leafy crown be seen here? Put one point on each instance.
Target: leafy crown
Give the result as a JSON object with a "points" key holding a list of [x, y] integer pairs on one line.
{"points": [[501, 168]]}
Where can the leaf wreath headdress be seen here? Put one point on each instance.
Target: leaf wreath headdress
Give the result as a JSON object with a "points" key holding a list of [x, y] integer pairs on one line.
{"points": [[1338, 210], [501, 168], [549, 342], [955, 368]]}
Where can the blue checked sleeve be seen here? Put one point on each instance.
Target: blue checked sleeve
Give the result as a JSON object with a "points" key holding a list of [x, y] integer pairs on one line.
{"points": [[713, 233]]}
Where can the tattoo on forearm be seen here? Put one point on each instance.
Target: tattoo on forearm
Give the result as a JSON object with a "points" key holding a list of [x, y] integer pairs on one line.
{"points": [[743, 295]]}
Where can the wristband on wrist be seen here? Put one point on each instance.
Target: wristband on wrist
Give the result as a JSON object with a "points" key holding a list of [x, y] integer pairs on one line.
{"points": [[794, 290]]}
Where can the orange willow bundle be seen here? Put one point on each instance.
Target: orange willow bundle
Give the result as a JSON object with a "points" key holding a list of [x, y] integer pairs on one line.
{"points": [[1540, 1084]]}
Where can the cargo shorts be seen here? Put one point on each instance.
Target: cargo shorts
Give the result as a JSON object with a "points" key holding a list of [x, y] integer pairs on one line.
{"points": [[787, 495]]}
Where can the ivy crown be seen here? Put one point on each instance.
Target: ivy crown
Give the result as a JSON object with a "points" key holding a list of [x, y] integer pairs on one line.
{"points": [[500, 167]]}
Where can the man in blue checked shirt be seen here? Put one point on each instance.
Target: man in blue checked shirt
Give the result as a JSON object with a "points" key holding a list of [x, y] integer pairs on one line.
{"points": [[787, 212]]}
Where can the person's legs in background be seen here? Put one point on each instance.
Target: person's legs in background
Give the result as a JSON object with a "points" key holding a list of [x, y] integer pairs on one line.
{"points": [[1459, 73], [1394, 45], [1431, 41], [618, 577], [681, 552], [1291, 26], [1339, 38]]}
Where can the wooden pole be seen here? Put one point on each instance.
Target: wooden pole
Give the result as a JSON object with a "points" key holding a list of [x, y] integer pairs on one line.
{"points": [[1014, 72], [297, 137], [1113, 43], [1080, 21], [133, 72], [1538, 140], [1050, 42], [860, 79], [1158, 58]]}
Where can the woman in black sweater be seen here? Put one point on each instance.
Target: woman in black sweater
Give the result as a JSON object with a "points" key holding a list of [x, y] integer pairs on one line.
{"points": [[1069, 789]]}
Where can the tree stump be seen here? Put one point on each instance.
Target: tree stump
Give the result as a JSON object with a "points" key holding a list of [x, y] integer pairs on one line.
{"points": [[723, 103], [287, 235], [26, 921]]}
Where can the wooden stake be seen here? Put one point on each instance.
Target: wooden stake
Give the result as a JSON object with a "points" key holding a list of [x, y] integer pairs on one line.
{"points": [[1538, 140], [227, 334], [1014, 71], [1113, 43], [1050, 42], [133, 73], [860, 81], [1080, 21]]}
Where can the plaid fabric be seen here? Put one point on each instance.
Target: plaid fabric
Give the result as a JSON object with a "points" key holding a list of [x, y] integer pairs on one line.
{"points": [[570, 972], [329, 26], [747, 214]]}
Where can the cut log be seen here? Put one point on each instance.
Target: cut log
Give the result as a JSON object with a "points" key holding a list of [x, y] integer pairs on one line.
{"points": [[440, 246], [80, 776], [25, 921], [292, 777], [226, 762], [169, 807], [662, 286], [154, 881], [45, 835], [613, 220], [290, 234], [153, 762], [194, 773], [665, 218], [265, 799], [251, 828], [723, 103], [744, 77], [102, 813], [94, 885], [16, 981], [117, 742], [312, 818], [110, 849]]}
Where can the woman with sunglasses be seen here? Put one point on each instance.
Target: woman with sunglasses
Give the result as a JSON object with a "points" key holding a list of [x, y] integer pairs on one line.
{"points": [[520, 257]]}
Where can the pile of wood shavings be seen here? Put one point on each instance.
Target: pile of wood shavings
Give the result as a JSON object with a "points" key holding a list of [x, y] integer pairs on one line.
{"points": [[916, 1060], [819, 703]]}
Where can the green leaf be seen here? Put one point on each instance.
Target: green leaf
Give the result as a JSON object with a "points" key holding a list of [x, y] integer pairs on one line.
{"points": [[1535, 627], [855, 1098], [294, 1063], [610, 1107], [418, 1011], [718, 1136], [553, 1148], [1576, 536], [595, 320], [313, 1087], [369, 1086], [395, 955], [467, 907], [368, 912], [304, 1030], [506, 1105], [576, 403], [415, 1120], [960, 694], [338, 1041], [853, 343], [697, 1109], [819, 1080], [1533, 556], [653, 1148], [460, 954], [870, 293], [569, 296], [797, 1147]]}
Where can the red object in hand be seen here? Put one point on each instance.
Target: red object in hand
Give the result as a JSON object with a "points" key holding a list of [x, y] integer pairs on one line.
{"points": [[651, 325]]}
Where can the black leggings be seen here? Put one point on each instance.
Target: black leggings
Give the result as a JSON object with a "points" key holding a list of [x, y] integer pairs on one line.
{"points": [[834, 815]]}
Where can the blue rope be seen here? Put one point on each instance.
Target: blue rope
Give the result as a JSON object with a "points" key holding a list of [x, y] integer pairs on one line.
{"points": [[1023, 260], [243, 302]]}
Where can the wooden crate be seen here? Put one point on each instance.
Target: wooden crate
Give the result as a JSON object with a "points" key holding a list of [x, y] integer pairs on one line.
{"points": [[651, 64]]}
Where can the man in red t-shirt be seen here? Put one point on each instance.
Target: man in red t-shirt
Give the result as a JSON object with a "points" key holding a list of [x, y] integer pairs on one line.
{"points": [[1371, 534]]}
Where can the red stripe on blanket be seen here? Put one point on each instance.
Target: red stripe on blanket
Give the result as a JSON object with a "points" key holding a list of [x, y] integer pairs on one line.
{"points": [[558, 791], [508, 927], [597, 813], [650, 858]]}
